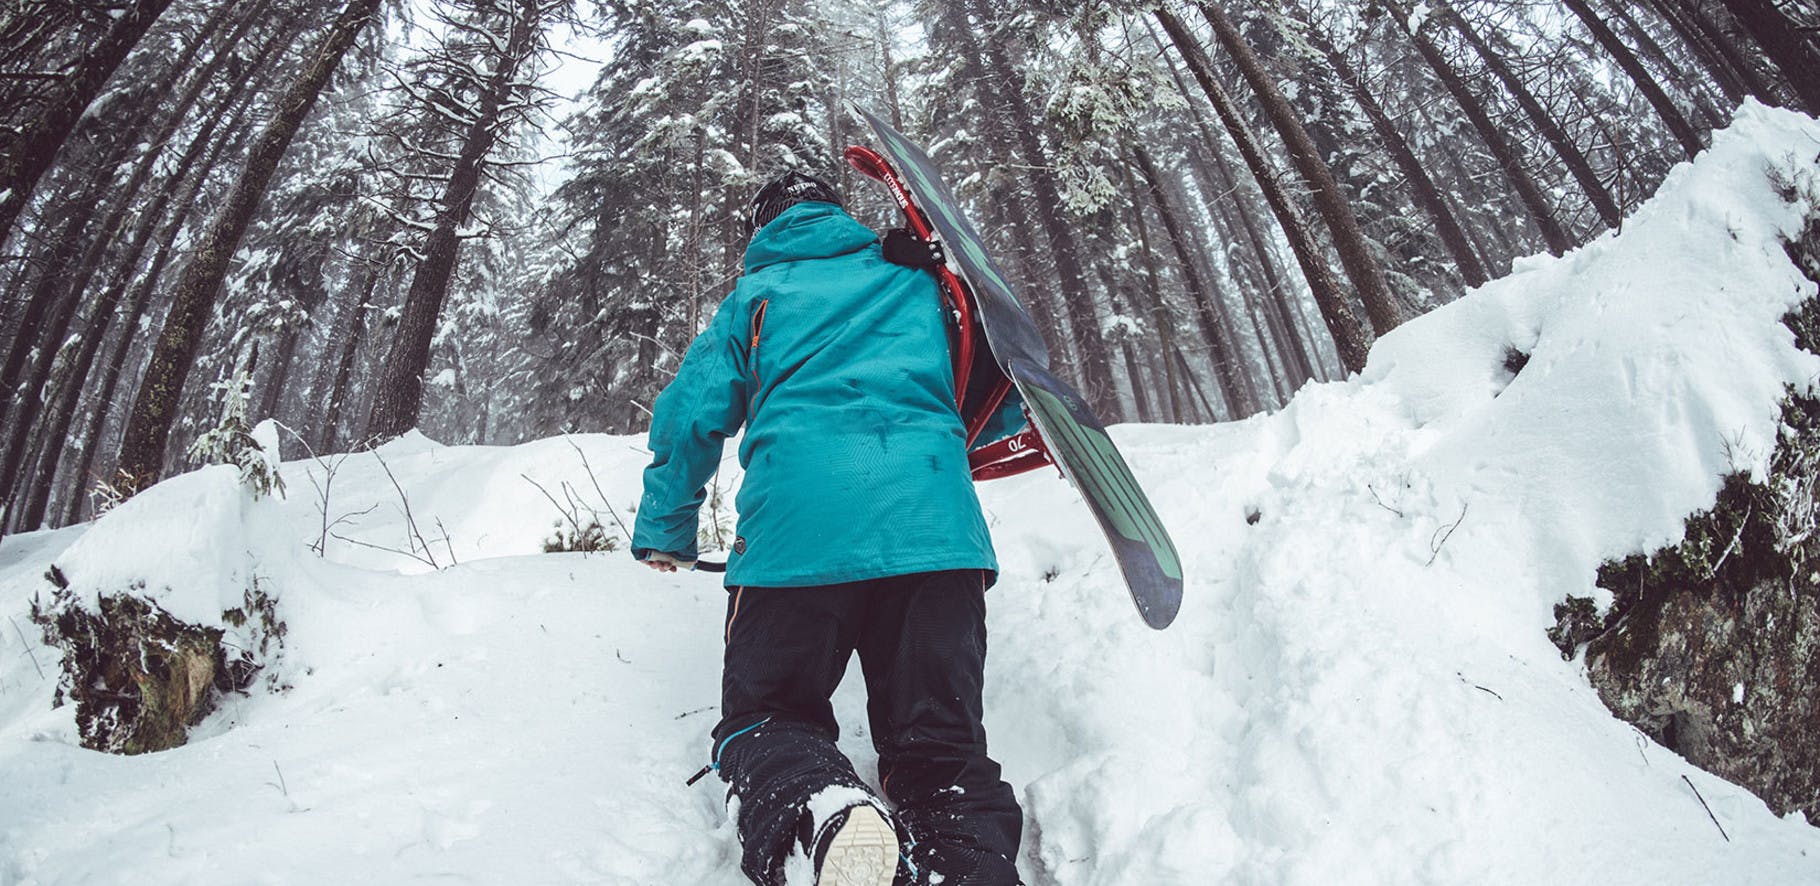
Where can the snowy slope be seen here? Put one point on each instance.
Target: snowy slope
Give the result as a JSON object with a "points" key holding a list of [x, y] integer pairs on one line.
{"points": [[1358, 689]]}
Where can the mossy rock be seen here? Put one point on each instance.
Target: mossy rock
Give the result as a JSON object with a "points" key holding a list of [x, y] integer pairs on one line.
{"points": [[1712, 645], [139, 677]]}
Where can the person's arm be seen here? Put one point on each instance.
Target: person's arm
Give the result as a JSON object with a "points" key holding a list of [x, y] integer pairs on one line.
{"points": [[701, 407]]}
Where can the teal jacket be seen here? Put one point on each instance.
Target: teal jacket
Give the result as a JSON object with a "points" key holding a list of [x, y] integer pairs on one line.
{"points": [[836, 363]]}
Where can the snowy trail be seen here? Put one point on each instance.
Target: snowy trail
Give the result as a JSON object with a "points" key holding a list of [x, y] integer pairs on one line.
{"points": [[1358, 689]]}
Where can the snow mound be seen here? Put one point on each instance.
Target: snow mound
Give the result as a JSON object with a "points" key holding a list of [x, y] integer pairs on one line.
{"points": [[1358, 689]]}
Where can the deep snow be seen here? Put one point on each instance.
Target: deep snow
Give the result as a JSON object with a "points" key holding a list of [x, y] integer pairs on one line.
{"points": [[1358, 688]]}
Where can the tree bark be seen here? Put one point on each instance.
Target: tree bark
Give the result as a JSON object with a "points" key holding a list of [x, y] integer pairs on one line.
{"points": [[68, 281], [1356, 255], [1539, 117], [344, 363], [141, 286], [1427, 196], [74, 378], [1718, 70], [1701, 94], [1501, 148], [1194, 384], [1241, 400], [154, 409], [1786, 43], [124, 132], [1083, 321], [1726, 47], [400, 387], [1646, 83], [1348, 335], [1159, 309], [1298, 356], [29, 154]]}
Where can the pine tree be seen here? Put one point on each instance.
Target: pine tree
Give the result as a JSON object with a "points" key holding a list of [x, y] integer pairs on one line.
{"points": [[484, 106], [154, 410]]}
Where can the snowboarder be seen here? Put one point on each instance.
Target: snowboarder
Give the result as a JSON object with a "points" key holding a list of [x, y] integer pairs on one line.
{"points": [[859, 530]]}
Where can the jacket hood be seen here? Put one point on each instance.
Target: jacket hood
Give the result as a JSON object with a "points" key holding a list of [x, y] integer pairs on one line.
{"points": [[807, 231]]}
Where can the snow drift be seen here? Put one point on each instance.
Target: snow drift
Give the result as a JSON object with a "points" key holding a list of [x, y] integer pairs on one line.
{"points": [[1359, 687]]}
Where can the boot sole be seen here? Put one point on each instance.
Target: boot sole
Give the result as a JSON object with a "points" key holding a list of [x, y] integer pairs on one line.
{"points": [[862, 853]]}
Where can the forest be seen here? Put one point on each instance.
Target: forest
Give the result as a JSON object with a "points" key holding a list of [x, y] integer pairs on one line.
{"points": [[502, 220]]}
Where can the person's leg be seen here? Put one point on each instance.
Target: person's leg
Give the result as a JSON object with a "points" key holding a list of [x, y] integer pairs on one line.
{"points": [[786, 651], [923, 649]]}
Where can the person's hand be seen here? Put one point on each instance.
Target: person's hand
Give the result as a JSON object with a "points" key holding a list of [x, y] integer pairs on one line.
{"points": [[663, 562]]}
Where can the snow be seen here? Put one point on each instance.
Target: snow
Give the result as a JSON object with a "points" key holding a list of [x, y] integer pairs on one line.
{"points": [[700, 50], [1358, 688]]}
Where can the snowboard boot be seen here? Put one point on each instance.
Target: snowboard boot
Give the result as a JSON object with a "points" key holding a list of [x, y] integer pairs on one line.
{"points": [[856, 847]]}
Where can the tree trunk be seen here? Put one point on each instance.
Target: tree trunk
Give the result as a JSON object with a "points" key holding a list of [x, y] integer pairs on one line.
{"points": [[29, 154], [1544, 122], [400, 385], [1133, 376], [344, 363], [74, 378], [1299, 357], [1501, 148], [1159, 310], [1194, 383], [1427, 196], [893, 105], [1726, 46], [68, 281], [232, 138], [280, 374], [1699, 93], [1083, 321], [1210, 233], [124, 130], [1788, 45], [1356, 255], [154, 409], [1348, 335], [1241, 400], [1719, 71]]}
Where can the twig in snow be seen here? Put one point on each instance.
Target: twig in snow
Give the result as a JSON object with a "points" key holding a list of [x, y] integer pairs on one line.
{"points": [[329, 529], [447, 543], [1478, 687], [1434, 547], [282, 787], [1381, 504], [329, 467], [1709, 809], [418, 557], [568, 513], [598, 491], [693, 713], [410, 521], [28, 648]]}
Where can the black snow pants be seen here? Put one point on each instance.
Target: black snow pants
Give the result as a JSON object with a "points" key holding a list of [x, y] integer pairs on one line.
{"points": [[922, 646]]}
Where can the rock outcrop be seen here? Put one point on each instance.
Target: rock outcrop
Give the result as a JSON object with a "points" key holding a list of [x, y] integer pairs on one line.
{"points": [[1712, 646]]}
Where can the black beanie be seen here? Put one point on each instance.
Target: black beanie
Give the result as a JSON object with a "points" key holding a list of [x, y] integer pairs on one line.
{"points": [[786, 191]]}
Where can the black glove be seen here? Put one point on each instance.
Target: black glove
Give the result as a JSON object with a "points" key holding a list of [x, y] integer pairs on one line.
{"points": [[905, 248]]}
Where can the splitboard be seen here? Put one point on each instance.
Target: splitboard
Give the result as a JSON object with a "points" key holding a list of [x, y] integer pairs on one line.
{"points": [[1073, 437]]}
